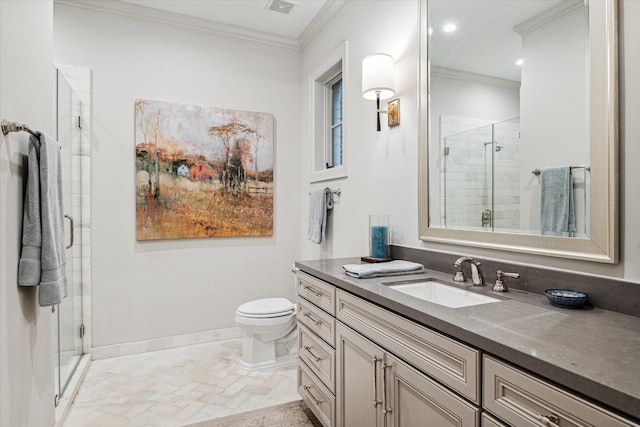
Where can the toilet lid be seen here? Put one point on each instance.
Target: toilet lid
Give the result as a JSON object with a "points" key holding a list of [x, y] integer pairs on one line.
{"points": [[268, 307]]}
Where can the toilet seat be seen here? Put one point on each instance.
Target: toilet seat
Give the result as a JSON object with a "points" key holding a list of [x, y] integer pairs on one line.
{"points": [[266, 308]]}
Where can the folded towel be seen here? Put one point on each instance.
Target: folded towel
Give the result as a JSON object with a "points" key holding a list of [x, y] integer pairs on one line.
{"points": [[557, 215], [320, 201], [391, 268], [43, 258]]}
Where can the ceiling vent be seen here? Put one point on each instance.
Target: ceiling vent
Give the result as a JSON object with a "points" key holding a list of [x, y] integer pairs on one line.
{"points": [[280, 6]]}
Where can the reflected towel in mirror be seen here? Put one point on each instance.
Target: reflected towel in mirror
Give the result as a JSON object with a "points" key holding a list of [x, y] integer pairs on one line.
{"points": [[557, 213]]}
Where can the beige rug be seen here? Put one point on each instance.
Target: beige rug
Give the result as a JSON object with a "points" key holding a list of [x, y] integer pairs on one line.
{"points": [[292, 414]]}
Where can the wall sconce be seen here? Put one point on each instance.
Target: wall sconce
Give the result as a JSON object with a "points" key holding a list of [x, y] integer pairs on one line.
{"points": [[378, 82]]}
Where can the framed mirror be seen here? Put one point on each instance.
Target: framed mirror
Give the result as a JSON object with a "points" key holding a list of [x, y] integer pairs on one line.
{"points": [[518, 126]]}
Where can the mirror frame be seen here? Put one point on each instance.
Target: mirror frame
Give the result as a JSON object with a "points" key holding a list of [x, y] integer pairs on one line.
{"points": [[602, 245]]}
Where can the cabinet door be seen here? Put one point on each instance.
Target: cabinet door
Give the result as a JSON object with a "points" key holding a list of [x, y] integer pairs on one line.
{"points": [[489, 421], [413, 399], [358, 387]]}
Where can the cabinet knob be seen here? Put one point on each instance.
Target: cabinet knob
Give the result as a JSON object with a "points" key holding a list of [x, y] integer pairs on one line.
{"points": [[552, 419]]}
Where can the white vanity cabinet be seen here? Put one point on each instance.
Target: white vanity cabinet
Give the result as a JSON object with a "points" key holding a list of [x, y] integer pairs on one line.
{"points": [[375, 387], [359, 384], [362, 365], [316, 346]]}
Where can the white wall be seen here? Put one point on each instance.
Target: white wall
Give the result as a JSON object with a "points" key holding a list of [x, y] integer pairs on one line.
{"points": [[27, 96], [383, 166], [148, 290], [554, 127]]}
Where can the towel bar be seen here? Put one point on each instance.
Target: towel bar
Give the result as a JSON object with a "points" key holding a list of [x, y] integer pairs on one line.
{"points": [[536, 172], [8, 126], [336, 191]]}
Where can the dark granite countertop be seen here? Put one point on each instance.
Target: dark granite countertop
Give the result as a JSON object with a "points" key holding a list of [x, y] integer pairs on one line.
{"points": [[590, 351]]}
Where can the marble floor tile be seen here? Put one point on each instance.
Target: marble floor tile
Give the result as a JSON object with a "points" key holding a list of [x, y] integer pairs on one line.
{"points": [[176, 387]]}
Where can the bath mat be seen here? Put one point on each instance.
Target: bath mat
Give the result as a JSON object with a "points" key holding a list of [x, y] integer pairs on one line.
{"points": [[291, 414]]}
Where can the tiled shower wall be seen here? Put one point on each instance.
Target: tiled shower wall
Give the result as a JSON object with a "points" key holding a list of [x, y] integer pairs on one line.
{"points": [[467, 172], [79, 78]]}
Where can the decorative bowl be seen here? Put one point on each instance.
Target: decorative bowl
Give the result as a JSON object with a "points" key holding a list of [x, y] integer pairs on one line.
{"points": [[566, 297]]}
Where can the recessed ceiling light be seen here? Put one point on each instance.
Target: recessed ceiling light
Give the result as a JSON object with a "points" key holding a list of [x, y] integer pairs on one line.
{"points": [[449, 28], [519, 62]]}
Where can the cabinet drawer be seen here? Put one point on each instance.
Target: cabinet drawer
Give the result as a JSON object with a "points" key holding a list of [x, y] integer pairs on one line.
{"points": [[524, 400], [320, 322], [452, 363], [318, 355], [318, 292], [316, 395], [489, 421]]}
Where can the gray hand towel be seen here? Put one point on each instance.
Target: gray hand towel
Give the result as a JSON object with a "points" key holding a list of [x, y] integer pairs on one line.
{"points": [[383, 269], [320, 201], [557, 215], [43, 258]]}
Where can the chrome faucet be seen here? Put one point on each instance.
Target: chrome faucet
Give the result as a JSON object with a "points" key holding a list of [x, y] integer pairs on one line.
{"points": [[476, 274], [499, 286]]}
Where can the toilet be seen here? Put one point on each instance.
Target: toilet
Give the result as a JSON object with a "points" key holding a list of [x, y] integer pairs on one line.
{"points": [[269, 330]]}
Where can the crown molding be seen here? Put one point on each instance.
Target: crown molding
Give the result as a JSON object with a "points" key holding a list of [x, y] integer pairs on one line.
{"points": [[547, 16], [474, 77], [327, 12], [184, 21]]}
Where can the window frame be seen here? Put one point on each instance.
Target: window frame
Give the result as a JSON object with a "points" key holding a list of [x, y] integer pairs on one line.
{"points": [[328, 72]]}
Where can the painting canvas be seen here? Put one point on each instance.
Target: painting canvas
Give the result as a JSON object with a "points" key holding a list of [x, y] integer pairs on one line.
{"points": [[202, 172]]}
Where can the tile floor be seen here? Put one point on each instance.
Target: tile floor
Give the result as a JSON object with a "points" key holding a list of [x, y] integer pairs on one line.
{"points": [[176, 387]]}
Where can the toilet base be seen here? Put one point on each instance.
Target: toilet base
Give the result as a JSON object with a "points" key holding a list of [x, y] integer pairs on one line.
{"points": [[270, 364], [257, 354]]}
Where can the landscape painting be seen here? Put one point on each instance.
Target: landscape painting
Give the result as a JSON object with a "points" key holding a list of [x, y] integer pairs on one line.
{"points": [[202, 172]]}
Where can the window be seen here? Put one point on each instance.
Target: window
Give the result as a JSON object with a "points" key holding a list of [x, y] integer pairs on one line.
{"points": [[334, 142], [328, 136]]}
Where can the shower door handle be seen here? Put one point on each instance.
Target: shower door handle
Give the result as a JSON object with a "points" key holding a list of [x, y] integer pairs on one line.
{"points": [[71, 231]]}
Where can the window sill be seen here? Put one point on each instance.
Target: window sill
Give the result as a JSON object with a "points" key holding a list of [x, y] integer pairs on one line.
{"points": [[337, 172]]}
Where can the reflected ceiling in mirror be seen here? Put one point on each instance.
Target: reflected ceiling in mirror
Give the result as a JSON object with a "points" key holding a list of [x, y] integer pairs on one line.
{"points": [[518, 125]]}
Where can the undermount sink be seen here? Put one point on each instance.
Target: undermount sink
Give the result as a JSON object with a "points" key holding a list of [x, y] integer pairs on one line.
{"points": [[438, 293]]}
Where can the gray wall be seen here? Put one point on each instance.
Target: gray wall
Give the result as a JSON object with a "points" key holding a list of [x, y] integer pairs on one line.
{"points": [[26, 95]]}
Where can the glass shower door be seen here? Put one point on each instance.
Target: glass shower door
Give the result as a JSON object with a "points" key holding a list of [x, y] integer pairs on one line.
{"points": [[67, 322], [467, 179], [480, 182]]}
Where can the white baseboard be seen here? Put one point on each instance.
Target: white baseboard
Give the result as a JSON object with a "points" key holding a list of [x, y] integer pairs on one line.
{"points": [[164, 343]]}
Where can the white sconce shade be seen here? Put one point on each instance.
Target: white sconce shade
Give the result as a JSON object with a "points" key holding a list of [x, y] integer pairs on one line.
{"points": [[378, 77]]}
